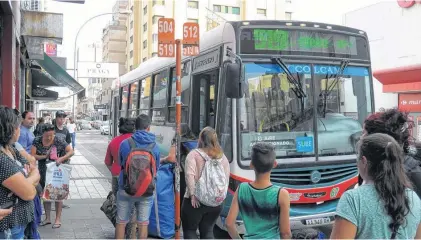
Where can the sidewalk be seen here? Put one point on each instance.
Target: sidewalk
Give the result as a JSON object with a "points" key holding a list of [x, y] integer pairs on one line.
{"points": [[84, 219]]}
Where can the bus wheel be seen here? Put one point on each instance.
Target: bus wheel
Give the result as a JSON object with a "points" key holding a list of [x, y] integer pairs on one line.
{"points": [[218, 233]]}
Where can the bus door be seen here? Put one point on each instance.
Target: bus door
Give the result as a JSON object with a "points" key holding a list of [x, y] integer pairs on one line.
{"points": [[114, 116], [204, 100]]}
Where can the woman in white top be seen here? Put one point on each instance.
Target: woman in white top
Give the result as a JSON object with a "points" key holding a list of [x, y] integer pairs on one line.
{"points": [[71, 126]]}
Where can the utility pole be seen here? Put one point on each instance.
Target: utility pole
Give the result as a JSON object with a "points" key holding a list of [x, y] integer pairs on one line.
{"points": [[190, 43]]}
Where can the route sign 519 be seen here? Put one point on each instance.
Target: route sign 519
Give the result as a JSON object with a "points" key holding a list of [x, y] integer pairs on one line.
{"points": [[166, 38]]}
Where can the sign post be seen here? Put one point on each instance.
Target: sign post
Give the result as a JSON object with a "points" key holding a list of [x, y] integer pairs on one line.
{"points": [[190, 45]]}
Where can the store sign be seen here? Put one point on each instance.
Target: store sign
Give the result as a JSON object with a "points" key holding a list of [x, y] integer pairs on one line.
{"points": [[410, 102], [408, 3], [100, 106], [97, 70], [51, 49]]}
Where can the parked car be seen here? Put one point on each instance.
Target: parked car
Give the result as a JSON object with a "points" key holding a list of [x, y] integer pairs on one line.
{"points": [[105, 129], [85, 125]]}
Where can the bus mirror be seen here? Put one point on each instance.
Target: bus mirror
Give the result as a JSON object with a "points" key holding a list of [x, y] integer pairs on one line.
{"points": [[233, 80]]}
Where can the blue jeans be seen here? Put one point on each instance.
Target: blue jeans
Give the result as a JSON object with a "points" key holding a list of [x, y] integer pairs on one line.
{"points": [[125, 205], [73, 140], [17, 232]]}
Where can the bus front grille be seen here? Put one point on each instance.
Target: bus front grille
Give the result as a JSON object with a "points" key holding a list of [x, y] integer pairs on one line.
{"points": [[314, 175]]}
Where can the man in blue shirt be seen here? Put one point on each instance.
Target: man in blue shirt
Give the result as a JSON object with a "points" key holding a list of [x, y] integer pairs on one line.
{"points": [[26, 136], [143, 138]]}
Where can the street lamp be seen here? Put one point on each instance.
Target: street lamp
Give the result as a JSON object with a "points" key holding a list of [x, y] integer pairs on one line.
{"points": [[75, 50]]}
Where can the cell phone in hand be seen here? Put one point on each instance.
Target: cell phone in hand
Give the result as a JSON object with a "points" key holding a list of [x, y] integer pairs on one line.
{"points": [[9, 204]]}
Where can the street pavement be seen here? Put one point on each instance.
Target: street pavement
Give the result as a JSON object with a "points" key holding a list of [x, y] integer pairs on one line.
{"points": [[89, 186]]}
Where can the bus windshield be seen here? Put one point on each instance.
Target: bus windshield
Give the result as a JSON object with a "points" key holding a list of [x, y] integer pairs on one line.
{"points": [[273, 112]]}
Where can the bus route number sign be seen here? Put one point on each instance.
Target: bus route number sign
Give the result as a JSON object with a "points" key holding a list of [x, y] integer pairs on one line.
{"points": [[166, 37], [191, 39]]}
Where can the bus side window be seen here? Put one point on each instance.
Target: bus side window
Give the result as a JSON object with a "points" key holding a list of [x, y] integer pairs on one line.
{"points": [[185, 93], [159, 101], [124, 101], [145, 92]]}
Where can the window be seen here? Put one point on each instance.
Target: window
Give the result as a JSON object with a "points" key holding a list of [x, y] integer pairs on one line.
{"points": [[131, 24], [154, 54], [193, 20], [154, 38], [145, 59], [217, 8], [159, 101], [193, 4], [131, 53], [159, 2], [288, 15], [145, 27], [134, 99], [156, 18], [226, 9], [145, 10], [131, 39], [185, 93], [145, 44], [235, 10], [261, 11], [145, 93], [124, 101]]}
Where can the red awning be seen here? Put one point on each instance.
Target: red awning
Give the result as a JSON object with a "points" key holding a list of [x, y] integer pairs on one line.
{"points": [[402, 79]]}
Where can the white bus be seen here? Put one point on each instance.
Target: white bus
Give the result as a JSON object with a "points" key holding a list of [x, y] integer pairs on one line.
{"points": [[304, 87]]}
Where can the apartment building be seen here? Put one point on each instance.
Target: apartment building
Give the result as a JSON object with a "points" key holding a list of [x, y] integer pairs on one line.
{"points": [[142, 25], [114, 38], [34, 5]]}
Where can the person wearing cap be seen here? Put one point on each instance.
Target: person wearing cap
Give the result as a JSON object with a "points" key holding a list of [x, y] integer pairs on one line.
{"points": [[61, 130]]}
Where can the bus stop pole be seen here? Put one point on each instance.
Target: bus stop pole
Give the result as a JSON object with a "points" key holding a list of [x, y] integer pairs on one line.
{"points": [[178, 138]]}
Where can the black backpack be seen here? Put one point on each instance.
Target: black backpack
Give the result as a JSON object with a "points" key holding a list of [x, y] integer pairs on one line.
{"points": [[413, 170]]}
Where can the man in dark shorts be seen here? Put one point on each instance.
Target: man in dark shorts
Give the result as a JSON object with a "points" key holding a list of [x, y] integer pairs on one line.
{"points": [[62, 132]]}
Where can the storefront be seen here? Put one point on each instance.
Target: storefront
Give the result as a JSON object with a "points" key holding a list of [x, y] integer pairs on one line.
{"points": [[395, 54]]}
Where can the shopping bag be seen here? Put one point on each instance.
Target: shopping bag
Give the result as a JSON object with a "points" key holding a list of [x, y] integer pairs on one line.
{"points": [[57, 182]]}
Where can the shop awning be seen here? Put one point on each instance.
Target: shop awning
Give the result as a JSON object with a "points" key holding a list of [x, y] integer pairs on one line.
{"points": [[59, 75], [402, 79]]}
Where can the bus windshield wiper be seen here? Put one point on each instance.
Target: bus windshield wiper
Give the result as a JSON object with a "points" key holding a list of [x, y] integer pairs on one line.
{"points": [[298, 88], [329, 88]]}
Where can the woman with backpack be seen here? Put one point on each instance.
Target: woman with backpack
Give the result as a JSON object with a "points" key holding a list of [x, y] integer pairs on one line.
{"points": [[205, 166], [397, 124]]}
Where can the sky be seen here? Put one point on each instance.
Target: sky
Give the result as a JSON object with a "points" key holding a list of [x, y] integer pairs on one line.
{"points": [[326, 11]]}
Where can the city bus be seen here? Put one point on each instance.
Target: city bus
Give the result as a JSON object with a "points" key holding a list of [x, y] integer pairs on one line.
{"points": [[303, 87]]}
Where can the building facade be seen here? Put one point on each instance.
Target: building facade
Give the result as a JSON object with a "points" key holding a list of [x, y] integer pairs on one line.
{"points": [[395, 54], [142, 25]]}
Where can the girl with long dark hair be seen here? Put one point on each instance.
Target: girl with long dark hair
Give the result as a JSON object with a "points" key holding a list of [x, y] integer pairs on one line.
{"points": [[397, 125], [384, 206]]}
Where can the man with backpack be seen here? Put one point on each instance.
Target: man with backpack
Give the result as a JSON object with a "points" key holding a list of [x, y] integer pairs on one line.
{"points": [[139, 160]]}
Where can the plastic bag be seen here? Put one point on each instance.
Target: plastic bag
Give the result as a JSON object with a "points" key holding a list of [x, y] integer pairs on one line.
{"points": [[57, 182]]}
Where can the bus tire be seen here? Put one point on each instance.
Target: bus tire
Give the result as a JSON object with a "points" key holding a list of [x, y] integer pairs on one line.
{"points": [[219, 233], [305, 233]]}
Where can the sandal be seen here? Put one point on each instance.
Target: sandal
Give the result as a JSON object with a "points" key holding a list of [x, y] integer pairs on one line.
{"points": [[56, 225], [44, 223]]}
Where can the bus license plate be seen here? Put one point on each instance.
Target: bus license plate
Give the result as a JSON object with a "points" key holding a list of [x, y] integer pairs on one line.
{"points": [[318, 221]]}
